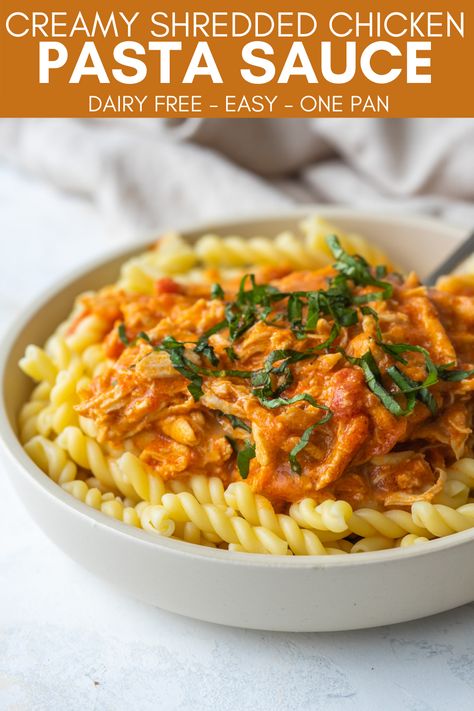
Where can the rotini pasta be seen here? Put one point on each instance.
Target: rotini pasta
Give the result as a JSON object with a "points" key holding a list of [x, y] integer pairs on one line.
{"points": [[224, 415], [463, 471], [330, 515], [30, 411], [217, 525], [38, 365], [294, 528], [146, 485], [175, 256], [455, 493], [109, 504], [316, 230], [372, 543], [89, 331], [51, 459], [442, 520], [389, 524], [87, 453], [411, 539], [58, 350]]}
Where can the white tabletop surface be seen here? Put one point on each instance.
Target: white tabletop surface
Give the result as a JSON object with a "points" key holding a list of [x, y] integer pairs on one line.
{"points": [[70, 642]]}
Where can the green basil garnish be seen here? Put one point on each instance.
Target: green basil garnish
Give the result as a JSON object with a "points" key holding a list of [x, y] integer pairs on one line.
{"points": [[123, 335], [236, 422], [304, 441], [217, 292], [244, 457]]}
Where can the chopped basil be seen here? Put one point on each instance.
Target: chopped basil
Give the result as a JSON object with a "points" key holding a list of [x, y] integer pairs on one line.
{"points": [[408, 387], [202, 345], [183, 365], [195, 388], [250, 306], [411, 387], [144, 336], [279, 401], [396, 349], [314, 310], [369, 311], [204, 348], [245, 455], [357, 269], [236, 422], [294, 464], [211, 331], [231, 354], [217, 292], [405, 383], [453, 376], [123, 335], [304, 441], [295, 315], [373, 379], [371, 296]]}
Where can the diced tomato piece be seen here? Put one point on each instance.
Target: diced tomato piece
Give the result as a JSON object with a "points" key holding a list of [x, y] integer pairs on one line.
{"points": [[113, 346], [165, 285]]}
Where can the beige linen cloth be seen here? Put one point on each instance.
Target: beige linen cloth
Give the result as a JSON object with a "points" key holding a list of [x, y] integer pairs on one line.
{"points": [[147, 174]]}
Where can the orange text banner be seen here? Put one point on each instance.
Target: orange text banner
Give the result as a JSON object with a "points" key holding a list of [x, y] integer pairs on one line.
{"points": [[280, 59]]}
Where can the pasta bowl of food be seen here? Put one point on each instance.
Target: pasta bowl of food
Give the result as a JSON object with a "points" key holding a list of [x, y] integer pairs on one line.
{"points": [[264, 423]]}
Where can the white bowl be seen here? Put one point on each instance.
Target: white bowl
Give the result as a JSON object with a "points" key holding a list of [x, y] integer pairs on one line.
{"points": [[257, 591]]}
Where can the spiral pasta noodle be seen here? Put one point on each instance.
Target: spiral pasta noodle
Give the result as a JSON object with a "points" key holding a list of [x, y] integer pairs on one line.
{"points": [[207, 490], [328, 516], [90, 330], [372, 544], [51, 459], [389, 524], [236, 251], [145, 485], [217, 525], [316, 229], [109, 504], [88, 454], [30, 411], [60, 413], [59, 351], [38, 365], [61, 373], [295, 529], [175, 256], [442, 520], [463, 471], [455, 493], [94, 360], [411, 539], [282, 532]]}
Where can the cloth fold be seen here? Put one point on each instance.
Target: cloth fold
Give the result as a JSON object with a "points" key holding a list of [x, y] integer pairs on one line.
{"points": [[147, 174]]}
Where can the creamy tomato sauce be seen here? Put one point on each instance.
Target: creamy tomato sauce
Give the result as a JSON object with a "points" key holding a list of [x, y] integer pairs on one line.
{"points": [[325, 430]]}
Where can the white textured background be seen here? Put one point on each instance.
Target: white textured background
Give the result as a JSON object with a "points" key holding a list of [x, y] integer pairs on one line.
{"points": [[68, 642]]}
